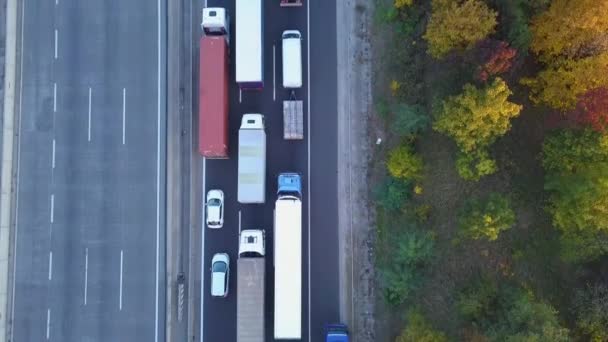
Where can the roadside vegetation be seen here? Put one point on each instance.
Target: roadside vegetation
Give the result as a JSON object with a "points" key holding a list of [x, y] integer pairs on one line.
{"points": [[491, 180]]}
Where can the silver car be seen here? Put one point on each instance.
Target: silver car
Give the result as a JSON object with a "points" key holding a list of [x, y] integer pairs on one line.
{"points": [[215, 209], [220, 274]]}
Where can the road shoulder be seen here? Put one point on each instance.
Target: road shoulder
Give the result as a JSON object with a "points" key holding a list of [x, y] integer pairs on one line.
{"points": [[356, 227]]}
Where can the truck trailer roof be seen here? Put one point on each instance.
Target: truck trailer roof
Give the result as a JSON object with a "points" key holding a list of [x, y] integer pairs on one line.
{"points": [[288, 269], [213, 97], [249, 61], [250, 300]]}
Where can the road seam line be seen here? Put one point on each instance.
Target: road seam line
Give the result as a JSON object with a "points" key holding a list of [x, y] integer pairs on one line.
{"points": [[86, 274], [124, 107], [90, 100], [309, 175], [158, 103]]}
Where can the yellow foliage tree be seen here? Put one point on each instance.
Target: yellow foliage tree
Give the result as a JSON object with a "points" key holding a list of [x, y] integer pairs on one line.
{"points": [[402, 3], [567, 26], [564, 80], [477, 117], [458, 25]]}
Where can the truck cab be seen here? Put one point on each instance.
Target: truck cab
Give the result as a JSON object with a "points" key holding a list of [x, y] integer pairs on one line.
{"points": [[216, 22], [290, 184], [336, 333], [251, 243]]}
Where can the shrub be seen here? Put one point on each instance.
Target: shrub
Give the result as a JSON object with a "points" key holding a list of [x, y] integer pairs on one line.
{"points": [[418, 329], [393, 193], [486, 218], [410, 251], [404, 163], [410, 120], [474, 165]]}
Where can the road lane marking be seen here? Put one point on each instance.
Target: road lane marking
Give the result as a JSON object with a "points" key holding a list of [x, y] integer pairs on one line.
{"points": [[239, 222], [202, 325], [55, 97], [158, 103], [120, 291], [56, 42], [53, 155], [52, 207], [274, 89], [51, 265], [86, 274], [90, 100], [240, 95], [308, 142], [124, 106], [48, 323]]}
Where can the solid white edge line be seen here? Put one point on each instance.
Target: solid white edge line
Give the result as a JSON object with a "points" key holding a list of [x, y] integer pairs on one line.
{"points": [[274, 88], [203, 254], [51, 265], [56, 42], [120, 289], [53, 155], [48, 323], [86, 274], [52, 207], [18, 169], [55, 97], [158, 115], [89, 125], [308, 150], [124, 107]]}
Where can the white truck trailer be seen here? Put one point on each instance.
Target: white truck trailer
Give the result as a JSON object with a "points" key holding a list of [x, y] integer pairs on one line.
{"points": [[249, 44], [252, 160], [288, 258], [250, 267]]}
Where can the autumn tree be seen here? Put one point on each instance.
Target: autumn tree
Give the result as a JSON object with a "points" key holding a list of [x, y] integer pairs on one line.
{"points": [[592, 109], [497, 58], [404, 163], [567, 26], [560, 85], [458, 25], [486, 218], [576, 176], [418, 329], [474, 165]]}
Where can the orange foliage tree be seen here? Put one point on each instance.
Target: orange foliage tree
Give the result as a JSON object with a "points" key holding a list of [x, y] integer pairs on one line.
{"points": [[497, 58], [592, 109]]}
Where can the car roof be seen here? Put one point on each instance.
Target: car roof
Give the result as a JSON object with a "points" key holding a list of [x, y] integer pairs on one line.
{"points": [[217, 283]]}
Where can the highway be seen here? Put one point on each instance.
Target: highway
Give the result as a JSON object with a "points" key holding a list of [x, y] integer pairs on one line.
{"points": [[90, 223], [315, 158]]}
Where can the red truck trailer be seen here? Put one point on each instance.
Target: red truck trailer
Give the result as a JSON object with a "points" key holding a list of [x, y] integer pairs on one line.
{"points": [[213, 97]]}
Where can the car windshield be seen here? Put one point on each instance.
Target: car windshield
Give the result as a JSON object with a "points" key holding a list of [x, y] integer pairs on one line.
{"points": [[219, 266], [214, 202]]}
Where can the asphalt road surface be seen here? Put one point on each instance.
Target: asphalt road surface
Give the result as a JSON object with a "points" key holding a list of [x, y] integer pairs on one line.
{"points": [[315, 158], [90, 219]]}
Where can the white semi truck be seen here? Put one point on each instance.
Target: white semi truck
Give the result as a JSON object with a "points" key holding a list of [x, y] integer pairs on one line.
{"points": [[288, 258], [250, 267], [252, 160]]}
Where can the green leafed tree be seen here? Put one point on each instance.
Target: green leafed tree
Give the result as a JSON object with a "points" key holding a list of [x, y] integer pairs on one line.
{"points": [[487, 218], [410, 120], [404, 163], [393, 193], [591, 309], [458, 25], [474, 165]]}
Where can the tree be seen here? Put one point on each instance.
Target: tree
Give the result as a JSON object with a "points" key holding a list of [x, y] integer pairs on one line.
{"points": [[486, 218], [412, 249], [591, 309], [458, 25], [564, 80], [474, 165], [410, 120], [505, 312], [497, 58], [568, 26], [418, 329], [402, 3], [478, 116], [404, 163], [592, 109], [576, 166], [392, 193]]}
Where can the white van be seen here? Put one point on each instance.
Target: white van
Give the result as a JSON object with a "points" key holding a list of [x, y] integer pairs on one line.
{"points": [[292, 59]]}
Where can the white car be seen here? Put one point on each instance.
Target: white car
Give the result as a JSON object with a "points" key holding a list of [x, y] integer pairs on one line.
{"points": [[215, 209], [220, 273]]}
